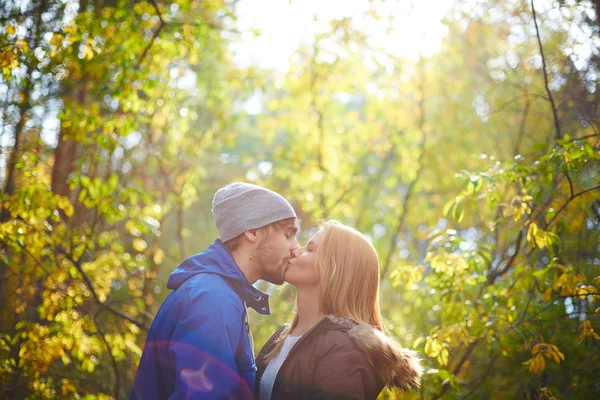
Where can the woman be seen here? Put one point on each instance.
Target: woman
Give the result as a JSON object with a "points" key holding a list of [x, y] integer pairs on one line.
{"points": [[334, 347]]}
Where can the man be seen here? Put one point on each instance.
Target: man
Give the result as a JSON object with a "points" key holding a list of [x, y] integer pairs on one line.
{"points": [[199, 345]]}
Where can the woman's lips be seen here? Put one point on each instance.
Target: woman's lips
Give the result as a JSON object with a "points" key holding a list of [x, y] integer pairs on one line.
{"points": [[289, 264]]}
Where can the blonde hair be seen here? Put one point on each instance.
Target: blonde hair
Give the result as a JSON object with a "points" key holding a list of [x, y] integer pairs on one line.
{"points": [[347, 267]]}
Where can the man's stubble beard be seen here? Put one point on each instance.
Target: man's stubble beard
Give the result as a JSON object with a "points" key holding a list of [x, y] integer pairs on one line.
{"points": [[269, 262]]}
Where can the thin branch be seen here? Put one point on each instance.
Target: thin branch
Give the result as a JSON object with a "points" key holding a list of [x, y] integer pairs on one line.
{"points": [[485, 375], [373, 183], [495, 274], [161, 25], [90, 286], [597, 134], [522, 124], [573, 197], [554, 113], [531, 296], [359, 166], [579, 295], [523, 321], [320, 130], [458, 367], [180, 227], [405, 203], [160, 17], [570, 183], [409, 190], [514, 100], [150, 43], [114, 360]]}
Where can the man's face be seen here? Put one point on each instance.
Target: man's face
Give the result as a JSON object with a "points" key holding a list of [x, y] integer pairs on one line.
{"points": [[275, 251]]}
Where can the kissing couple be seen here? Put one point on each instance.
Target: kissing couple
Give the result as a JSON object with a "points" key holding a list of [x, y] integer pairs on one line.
{"points": [[200, 344]]}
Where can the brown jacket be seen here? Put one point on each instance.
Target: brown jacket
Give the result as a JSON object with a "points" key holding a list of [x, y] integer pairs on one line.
{"points": [[340, 359]]}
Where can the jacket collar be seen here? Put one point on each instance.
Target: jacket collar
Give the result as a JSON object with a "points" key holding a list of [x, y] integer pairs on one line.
{"points": [[217, 260], [251, 296]]}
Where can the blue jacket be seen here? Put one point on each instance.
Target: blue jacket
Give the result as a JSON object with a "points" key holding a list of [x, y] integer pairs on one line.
{"points": [[199, 345]]}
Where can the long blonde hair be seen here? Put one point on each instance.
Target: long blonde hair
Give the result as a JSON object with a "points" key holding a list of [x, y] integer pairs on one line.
{"points": [[347, 267]]}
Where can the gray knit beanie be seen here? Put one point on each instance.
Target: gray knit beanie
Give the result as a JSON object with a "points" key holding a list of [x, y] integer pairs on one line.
{"points": [[240, 206]]}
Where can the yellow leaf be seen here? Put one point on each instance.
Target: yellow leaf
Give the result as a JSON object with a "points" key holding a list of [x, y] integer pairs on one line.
{"points": [[70, 29], [56, 40], [548, 295], [64, 203], [23, 44], [88, 54], [541, 364], [443, 357], [159, 256], [139, 244], [532, 231], [587, 331]]}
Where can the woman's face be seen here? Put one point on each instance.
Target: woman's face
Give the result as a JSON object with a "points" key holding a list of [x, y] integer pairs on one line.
{"points": [[301, 269]]}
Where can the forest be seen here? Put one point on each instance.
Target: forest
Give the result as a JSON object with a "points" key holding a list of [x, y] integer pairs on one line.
{"points": [[466, 149]]}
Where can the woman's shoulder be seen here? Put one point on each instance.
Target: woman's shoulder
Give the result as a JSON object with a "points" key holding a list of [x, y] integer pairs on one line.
{"points": [[334, 335], [394, 365]]}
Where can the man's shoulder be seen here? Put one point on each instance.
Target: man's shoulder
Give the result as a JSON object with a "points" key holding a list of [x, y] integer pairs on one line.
{"points": [[211, 288]]}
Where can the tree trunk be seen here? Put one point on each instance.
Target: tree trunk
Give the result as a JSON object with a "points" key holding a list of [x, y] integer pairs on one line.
{"points": [[67, 149]]}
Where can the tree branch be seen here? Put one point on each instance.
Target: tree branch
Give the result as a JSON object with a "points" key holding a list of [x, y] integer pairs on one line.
{"points": [[495, 274], [554, 112], [487, 372], [522, 124], [570, 183], [597, 134], [90, 286], [373, 183], [458, 367], [573, 197], [409, 190], [150, 43], [160, 17], [114, 360], [524, 321]]}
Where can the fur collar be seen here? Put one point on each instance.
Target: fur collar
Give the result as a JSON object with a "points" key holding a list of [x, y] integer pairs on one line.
{"points": [[397, 367]]}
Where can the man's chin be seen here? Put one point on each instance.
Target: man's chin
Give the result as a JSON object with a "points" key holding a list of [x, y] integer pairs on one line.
{"points": [[278, 281], [275, 280], [275, 277]]}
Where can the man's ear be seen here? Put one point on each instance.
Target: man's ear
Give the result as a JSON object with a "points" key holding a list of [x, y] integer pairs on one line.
{"points": [[251, 235]]}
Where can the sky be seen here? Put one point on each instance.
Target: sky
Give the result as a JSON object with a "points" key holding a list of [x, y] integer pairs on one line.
{"points": [[286, 24]]}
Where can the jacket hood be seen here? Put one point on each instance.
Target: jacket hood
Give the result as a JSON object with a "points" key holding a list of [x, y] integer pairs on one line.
{"points": [[398, 367], [217, 260]]}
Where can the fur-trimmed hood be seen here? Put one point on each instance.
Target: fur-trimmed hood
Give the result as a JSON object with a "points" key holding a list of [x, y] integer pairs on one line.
{"points": [[396, 366]]}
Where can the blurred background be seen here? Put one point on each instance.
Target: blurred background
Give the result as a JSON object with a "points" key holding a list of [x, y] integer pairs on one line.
{"points": [[462, 137]]}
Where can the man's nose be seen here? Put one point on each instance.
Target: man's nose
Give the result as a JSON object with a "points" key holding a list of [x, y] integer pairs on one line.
{"points": [[295, 249]]}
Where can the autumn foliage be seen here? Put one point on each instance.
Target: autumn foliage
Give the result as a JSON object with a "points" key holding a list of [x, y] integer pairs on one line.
{"points": [[475, 171]]}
